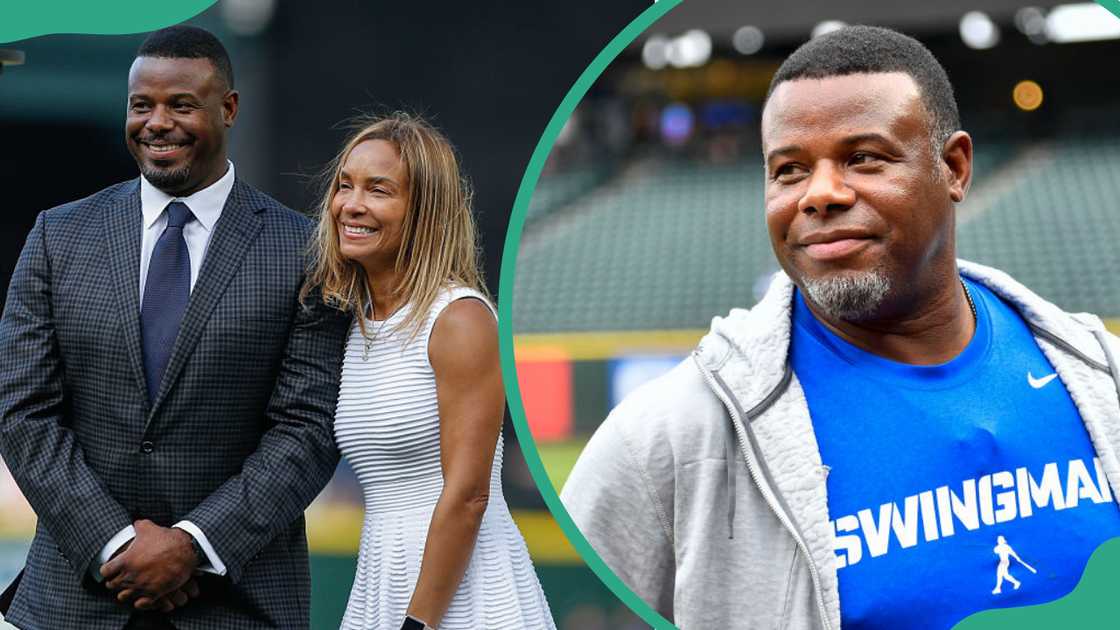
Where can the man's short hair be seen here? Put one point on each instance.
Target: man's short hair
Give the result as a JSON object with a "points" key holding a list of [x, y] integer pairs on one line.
{"points": [[872, 49], [188, 42]]}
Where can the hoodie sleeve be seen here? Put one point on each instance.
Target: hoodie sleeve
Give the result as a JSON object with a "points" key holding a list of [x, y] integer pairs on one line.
{"points": [[1111, 345], [611, 497]]}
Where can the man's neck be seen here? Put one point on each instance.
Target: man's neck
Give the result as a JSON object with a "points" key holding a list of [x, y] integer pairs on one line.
{"points": [[932, 329], [210, 180]]}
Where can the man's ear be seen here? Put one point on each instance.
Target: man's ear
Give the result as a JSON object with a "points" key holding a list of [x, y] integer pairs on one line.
{"points": [[956, 164], [229, 107]]}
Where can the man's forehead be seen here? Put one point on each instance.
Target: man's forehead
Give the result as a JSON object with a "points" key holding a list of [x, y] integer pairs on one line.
{"points": [[842, 100], [185, 71]]}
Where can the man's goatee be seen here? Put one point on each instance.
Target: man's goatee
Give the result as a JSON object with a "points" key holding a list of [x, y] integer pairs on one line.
{"points": [[850, 297]]}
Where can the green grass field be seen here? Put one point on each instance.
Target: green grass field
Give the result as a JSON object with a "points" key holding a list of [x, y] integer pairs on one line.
{"points": [[559, 458]]}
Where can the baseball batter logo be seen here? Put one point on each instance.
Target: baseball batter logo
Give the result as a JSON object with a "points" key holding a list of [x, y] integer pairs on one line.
{"points": [[1006, 553]]}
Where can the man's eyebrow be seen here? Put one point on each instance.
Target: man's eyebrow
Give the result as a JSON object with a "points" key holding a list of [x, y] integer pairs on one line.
{"points": [[178, 96], [870, 136], [780, 151]]}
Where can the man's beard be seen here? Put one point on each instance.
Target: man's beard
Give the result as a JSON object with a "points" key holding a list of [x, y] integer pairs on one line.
{"points": [[166, 179], [849, 297]]}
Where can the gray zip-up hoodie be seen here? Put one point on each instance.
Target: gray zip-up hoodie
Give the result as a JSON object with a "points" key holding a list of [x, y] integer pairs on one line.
{"points": [[704, 490]]}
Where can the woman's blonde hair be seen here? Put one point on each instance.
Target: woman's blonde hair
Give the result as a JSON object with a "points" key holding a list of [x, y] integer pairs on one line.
{"points": [[438, 238]]}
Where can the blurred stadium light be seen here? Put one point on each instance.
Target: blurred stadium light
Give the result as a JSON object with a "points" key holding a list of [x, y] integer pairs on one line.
{"points": [[826, 27], [247, 17], [978, 30], [677, 122], [655, 52], [748, 40], [1027, 95], [10, 57], [691, 49], [1031, 21], [1083, 22]]}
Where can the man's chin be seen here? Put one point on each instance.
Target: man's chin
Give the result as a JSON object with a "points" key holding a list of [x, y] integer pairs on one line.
{"points": [[849, 295], [168, 179]]}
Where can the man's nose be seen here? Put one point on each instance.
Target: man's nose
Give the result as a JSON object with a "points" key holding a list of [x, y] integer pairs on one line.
{"points": [[827, 191], [159, 120]]}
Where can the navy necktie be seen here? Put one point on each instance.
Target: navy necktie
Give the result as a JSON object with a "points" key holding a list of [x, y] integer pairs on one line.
{"points": [[166, 292]]}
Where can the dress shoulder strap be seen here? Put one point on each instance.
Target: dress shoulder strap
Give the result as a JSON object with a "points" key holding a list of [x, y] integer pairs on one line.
{"points": [[446, 297]]}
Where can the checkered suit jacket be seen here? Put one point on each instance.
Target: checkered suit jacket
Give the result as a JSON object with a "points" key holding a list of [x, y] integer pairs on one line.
{"points": [[238, 440]]}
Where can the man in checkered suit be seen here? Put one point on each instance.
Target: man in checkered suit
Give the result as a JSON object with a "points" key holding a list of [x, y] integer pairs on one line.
{"points": [[165, 400]]}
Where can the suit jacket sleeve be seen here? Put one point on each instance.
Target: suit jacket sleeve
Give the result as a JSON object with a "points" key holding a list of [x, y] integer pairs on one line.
{"points": [[296, 456], [42, 453]]}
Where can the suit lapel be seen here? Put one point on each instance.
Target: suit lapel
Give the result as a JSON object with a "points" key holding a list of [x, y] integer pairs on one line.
{"points": [[233, 234], [124, 223]]}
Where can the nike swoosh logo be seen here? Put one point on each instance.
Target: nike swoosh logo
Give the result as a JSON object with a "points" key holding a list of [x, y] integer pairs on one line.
{"points": [[1039, 383]]}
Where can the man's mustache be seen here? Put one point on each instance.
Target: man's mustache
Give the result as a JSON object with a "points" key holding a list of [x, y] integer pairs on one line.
{"points": [[162, 139]]}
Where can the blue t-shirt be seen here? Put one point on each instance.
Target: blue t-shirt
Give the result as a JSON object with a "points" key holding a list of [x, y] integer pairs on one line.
{"points": [[952, 488]]}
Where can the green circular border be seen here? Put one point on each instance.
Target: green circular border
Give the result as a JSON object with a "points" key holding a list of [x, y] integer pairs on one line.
{"points": [[505, 309]]}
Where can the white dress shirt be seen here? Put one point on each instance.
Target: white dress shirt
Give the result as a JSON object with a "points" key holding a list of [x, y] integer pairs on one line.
{"points": [[206, 206]]}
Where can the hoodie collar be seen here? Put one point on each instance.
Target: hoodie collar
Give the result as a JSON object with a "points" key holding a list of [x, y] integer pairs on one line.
{"points": [[1044, 318], [750, 348]]}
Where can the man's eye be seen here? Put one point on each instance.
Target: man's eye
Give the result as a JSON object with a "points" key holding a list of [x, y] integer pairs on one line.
{"points": [[787, 172], [862, 158]]}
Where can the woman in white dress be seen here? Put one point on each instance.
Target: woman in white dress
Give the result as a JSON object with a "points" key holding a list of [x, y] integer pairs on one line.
{"points": [[421, 402]]}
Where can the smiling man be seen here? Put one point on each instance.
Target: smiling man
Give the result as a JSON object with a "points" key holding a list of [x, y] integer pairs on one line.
{"points": [[165, 402], [844, 454]]}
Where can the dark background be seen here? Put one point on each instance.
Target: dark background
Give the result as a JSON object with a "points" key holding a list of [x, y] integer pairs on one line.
{"points": [[489, 74]]}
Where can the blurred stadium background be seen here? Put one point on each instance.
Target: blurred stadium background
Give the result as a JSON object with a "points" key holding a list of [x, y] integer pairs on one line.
{"points": [[301, 68], [648, 218]]}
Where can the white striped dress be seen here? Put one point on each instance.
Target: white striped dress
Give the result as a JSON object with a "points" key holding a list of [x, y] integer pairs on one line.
{"points": [[387, 427]]}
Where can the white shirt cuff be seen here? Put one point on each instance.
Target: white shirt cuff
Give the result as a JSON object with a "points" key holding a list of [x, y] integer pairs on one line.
{"points": [[111, 548], [215, 566]]}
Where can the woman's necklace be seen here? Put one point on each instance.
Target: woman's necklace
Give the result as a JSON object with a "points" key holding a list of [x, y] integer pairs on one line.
{"points": [[377, 334]]}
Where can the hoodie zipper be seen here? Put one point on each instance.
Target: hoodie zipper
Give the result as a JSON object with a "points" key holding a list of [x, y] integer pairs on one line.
{"points": [[814, 572]]}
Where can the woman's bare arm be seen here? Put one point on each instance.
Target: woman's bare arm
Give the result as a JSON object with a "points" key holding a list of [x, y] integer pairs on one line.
{"points": [[463, 350]]}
